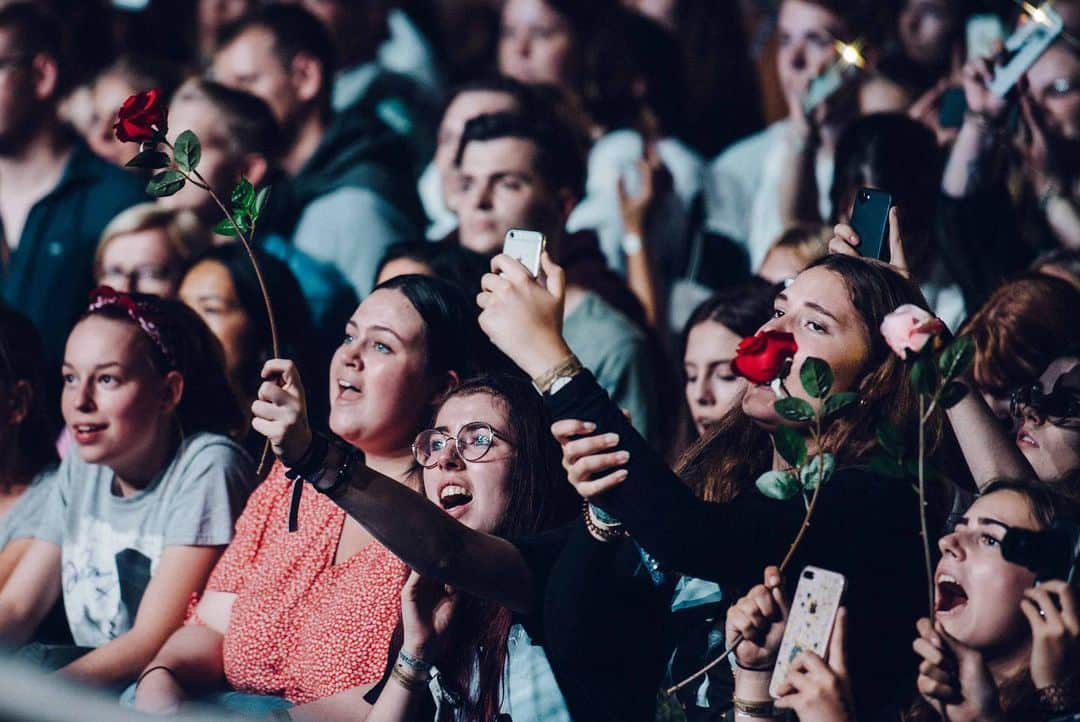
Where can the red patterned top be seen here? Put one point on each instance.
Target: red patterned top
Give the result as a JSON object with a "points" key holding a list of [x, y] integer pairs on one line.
{"points": [[303, 627]]}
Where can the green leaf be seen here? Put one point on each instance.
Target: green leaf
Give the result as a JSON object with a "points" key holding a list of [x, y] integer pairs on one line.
{"points": [[790, 445], [165, 184], [817, 470], [794, 409], [923, 376], [838, 402], [957, 357], [150, 159], [187, 151], [779, 485], [225, 228], [243, 195], [816, 377], [890, 439], [952, 394], [884, 466], [260, 202]]}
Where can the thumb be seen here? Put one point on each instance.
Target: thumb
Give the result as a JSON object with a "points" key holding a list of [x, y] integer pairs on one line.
{"points": [[837, 654], [556, 278], [897, 257]]}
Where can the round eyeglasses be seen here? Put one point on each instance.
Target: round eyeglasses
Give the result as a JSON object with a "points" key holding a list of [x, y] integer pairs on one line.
{"points": [[472, 442]]}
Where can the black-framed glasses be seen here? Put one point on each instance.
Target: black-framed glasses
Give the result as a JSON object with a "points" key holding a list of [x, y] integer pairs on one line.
{"points": [[473, 441]]}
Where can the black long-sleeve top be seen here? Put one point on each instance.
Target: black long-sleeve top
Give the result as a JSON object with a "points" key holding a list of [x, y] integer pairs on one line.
{"points": [[864, 526]]}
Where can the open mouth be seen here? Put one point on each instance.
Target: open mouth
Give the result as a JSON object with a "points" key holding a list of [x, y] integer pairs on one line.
{"points": [[1025, 440], [86, 433], [453, 496], [347, 390], [950, 595]]}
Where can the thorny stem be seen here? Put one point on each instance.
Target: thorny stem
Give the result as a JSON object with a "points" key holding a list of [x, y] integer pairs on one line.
{"points": [[922, 500], [275, 346]]}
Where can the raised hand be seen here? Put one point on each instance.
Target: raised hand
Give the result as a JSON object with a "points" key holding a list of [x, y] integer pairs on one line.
{"points": [[760, 617], [280, 410], [1051, 610], [846, 241], [587, 457], [523, 315], [953, 677], [977, 76], [818, 691], [427, 607]]}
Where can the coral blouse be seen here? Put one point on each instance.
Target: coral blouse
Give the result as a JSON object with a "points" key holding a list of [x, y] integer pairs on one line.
{"points": [[303, 627]]}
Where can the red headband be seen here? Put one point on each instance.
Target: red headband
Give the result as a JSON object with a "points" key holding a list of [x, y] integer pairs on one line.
{"points": [[144, 315]]}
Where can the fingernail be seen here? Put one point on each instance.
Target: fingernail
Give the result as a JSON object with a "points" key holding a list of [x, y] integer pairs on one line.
{"points": [[611, 439], [589, 426], [773, 580], [622, 474], [623, 457]]}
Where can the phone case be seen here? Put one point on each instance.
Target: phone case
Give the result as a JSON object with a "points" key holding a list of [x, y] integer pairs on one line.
{"points": [[810, 620], [1025, 46], [870, 219], [526, 247]]}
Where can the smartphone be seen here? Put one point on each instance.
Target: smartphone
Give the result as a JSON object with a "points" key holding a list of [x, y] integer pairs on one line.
{"points": [[1051, 554], [952, 108], [985, 36], [870, 219], [525, 246], [1025, 46], [810, 620]]}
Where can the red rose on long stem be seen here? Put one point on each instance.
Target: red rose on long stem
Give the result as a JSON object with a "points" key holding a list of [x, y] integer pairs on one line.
{"points": [[761, 357], [142, 118]]}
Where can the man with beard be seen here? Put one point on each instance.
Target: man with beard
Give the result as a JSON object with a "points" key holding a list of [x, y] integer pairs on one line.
{"points": [[56, 196]]}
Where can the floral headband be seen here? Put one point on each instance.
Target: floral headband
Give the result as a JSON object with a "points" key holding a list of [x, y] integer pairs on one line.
{"points": [[145, 316]]}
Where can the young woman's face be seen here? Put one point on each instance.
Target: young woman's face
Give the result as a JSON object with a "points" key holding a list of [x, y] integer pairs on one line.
{"points": [[208, 289], [380, 391], [978, 592], [141, 262], [114, 403], [536, 44], [712, 388], [817, 309], [476, 493], [1052, 447]]}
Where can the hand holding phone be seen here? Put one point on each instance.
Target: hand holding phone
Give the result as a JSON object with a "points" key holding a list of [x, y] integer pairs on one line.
{"points": [[526, 247], [1035, 34], [870, 220], [810, 621]]}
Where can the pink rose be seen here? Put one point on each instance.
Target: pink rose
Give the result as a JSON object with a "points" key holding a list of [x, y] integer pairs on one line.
{"points": [[908, 328]]}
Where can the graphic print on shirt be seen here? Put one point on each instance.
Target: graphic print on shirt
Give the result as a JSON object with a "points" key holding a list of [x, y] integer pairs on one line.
{"points": [[105, 573]]}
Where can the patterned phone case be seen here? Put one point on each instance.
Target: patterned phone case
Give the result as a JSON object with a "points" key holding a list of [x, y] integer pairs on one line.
{"points": [[810, 620]]}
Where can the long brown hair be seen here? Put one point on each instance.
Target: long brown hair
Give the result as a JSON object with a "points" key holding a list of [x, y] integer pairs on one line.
{"points": [[729, 459], [540, 499]]}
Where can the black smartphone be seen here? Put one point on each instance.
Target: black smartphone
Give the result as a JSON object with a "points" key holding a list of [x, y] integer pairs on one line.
{"points": [[870, 219], [1051, 554], [952, 108]]}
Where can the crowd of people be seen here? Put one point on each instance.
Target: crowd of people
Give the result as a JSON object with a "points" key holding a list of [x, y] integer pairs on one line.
{"points": [[443, 485]]}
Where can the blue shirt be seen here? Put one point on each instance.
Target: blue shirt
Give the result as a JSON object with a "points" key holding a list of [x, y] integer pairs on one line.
{"points": [[51, 271]]}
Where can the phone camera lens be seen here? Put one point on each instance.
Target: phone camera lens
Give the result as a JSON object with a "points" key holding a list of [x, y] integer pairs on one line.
{"points": [[864, 196], [808, 575]]}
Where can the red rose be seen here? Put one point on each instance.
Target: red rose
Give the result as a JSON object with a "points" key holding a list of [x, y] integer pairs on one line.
{"points": [[142, 117], [761, 358]]}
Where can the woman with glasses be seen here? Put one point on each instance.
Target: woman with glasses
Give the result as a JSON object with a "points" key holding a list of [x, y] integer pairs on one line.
{"points": [[301, 608], [490, 463], [1048, 415]]}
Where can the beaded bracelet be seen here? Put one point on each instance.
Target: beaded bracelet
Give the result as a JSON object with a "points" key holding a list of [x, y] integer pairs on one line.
{"points": [[602, 533]]}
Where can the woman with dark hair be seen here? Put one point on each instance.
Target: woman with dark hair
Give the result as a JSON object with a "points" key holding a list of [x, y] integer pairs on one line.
{"points": [[708, 344], [222, 288], [142, 508], [441, 259], [410, 341], [491, 463], [1000, 644], [26, 449]]}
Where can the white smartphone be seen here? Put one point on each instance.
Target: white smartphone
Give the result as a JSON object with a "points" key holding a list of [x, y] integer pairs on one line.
{"points": [[1025, 46], [810, 620], [985, 36], [525, 246]]}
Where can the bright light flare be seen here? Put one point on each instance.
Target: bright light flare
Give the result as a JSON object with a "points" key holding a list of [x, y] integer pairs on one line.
{"points": [[850, 54], [1037, 14]]}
